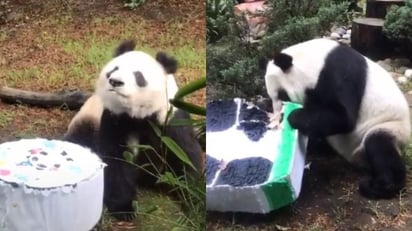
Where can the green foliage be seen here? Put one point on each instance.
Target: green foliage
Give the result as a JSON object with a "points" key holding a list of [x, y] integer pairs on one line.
{"points": [[5, 118], [186, 90], [398, 22], [217, 14], [232, 61], [133, 4]]}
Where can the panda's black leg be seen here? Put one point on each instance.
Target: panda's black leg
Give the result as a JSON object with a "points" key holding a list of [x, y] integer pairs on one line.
{"points": [[185, 137], [321, 122], [120, 189], [387, 170]]}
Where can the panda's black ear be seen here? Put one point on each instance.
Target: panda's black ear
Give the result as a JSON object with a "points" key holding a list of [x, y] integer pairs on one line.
{"points": [[283, 61], [169, 63], [125, 46]]}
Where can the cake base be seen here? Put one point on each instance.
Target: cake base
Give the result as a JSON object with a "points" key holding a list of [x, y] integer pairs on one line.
{"points": [[73, 198], [250, 168]]}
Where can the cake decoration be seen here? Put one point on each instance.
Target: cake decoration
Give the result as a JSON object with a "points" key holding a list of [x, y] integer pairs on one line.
{"points": [[49, 185]]}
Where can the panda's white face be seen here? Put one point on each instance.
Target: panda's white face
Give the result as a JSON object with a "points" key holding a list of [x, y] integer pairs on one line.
{"points": [[136, 84]]}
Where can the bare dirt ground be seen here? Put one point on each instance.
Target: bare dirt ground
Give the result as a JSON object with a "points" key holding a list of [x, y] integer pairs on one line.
{"points": [[23, 22]]}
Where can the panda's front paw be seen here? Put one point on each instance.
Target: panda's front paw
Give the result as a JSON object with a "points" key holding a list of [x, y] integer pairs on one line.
{"points": [[298, 121]]}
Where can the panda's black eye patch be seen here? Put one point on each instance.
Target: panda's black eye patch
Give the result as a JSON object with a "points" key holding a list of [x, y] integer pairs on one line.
{"points": [[110, 72], [140, 80]]}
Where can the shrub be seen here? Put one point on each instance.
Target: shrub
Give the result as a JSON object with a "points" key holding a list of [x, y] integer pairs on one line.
{"points": [[217, 14], [398, 23], [232, 62]]}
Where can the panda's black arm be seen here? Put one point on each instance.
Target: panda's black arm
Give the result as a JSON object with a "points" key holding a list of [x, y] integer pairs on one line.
{"points": [[321, 118], [320, 123], [185, 137], [120, 176]]}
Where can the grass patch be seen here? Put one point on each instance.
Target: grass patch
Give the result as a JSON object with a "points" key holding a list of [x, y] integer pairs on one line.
{"points": [[12, 77], [157, 211], [5, 118], [80, 53]]}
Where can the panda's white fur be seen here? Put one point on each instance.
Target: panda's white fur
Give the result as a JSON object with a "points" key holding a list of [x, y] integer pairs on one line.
{"points": [[132, 93], [383, 108], [91, 111]]}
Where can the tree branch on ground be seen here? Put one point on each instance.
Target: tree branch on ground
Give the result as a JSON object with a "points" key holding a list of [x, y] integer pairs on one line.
{"points": [[72, 99]]}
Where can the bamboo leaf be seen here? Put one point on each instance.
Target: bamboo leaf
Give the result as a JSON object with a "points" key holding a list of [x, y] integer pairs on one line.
{"points": [[155, 128], [189, 107], [177, 150], [128, 156], [191, 87]]}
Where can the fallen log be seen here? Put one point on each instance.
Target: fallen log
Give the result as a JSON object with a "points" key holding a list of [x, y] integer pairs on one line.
{"points": [[71, 99]]}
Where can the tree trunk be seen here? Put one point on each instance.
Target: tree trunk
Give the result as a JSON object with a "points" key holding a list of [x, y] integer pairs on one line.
{"points": [[379, 8], [367, 38]]}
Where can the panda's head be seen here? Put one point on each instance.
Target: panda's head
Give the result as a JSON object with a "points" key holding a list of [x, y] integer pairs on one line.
{"points": [[136, 83], [296, 68]]}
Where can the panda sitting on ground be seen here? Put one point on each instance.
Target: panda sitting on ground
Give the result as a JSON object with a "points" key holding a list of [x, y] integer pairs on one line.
{"points": [[133, 89], [350, 101]]}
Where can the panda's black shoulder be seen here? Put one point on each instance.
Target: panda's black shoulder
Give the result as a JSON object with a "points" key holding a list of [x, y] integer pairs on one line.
{"points": [[343, 57], [345, 73], [341, 84]]}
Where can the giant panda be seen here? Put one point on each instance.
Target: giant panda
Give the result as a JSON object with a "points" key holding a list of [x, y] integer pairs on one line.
{"points": [[350, 101], [131, 95]]}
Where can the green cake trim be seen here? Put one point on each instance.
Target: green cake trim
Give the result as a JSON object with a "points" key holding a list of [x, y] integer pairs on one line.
{"points": [[279, 192]]}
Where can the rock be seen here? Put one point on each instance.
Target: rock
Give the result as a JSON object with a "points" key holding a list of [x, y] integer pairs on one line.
{"points": [[402, 80], [401, 62], [344, 41], [385, 65], [335, 35], [388, 61], [341, 31], [256, 23], [395, 75], [346, 36], [401, 70], [408, 73]]}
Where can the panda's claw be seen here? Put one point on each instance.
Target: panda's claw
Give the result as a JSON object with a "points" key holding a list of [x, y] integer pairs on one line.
{"points": [[274, 120]]}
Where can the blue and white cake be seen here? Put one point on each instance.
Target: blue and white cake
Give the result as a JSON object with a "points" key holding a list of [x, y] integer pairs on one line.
{"points": [[250, 168]]}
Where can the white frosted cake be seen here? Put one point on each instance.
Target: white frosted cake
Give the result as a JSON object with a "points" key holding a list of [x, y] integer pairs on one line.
{"points": [[250, 168], [48, 185]]}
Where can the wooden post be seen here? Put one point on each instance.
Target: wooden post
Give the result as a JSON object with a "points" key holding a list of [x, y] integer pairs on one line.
{"points": [[367, 38], [379, 8]]}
